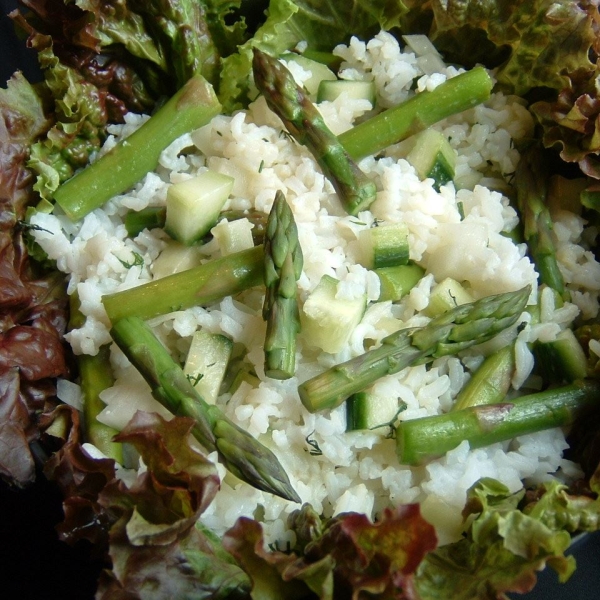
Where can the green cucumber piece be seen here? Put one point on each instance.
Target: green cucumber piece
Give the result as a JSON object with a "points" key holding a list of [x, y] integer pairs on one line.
{"points": [[193, 205], [233, 236], [175, 258], [384, 246], [330, 90], [327, 321], [206, 363], [366, 410], [433, 157], [395, 282], [562, 360], [445, 296], [319, 71]]}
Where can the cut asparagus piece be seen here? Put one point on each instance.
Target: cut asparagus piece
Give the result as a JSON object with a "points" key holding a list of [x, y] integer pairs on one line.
{"points": [[328, 321], [384, 246], [151, 217], [491, 382], [195, 287], [243, 455], [456, 330], [418, 113], [421, 440], [206, 363], [95, 376], [531, 185], [283, 267], [304, 122], [193, 205], [194, 105]]}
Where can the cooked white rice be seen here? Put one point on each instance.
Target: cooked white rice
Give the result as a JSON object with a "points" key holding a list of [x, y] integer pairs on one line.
{"points": [[354, 471]]}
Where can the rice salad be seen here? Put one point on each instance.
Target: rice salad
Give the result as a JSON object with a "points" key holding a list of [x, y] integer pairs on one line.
{"points": [[459, 231]]}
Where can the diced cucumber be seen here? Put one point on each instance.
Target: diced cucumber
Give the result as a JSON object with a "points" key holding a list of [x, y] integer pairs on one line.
{"points": [[327, 321], [562, 360], [150, 217], [233, 236], [384, 246], [193, 205], [396, 282], [433, 157], [330, 90], [366, 410], [319, 71], [445, 296], [206, 363], [175, 258]]}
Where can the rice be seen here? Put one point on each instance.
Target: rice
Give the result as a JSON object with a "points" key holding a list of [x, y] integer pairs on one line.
{"points": [[456, 232]]}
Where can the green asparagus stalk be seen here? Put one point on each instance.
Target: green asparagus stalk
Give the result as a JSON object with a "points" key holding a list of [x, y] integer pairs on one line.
{"points": [[151, 217], [491, 382], [420, 440], [532, 189], [306, 125], [95, 376], [418, 113], [243, 455], [451, 332], [200, 285], [191, 107], [283, 267]]}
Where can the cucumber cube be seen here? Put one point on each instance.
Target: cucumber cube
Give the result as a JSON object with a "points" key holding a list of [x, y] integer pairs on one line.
{"points": [[327, 321], [396, 282], [193, 205], [176, 258], [445, 296], [433, 157], [384, 246], [206, 363], [319, 71], [356, 90]]}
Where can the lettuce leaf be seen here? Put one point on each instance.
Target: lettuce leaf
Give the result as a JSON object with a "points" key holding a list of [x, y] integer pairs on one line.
{"points": [[347, 556], [511, 537], [322, 25]]}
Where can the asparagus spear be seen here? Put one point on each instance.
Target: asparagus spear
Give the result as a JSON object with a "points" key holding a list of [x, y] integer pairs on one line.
{"points": [[416, 114], [451, 332], [283, 267], [304, 122], [420, 440], [243, 455], [532, 189], [200, 285], [491, 382], [191, 107], [95, 375]]}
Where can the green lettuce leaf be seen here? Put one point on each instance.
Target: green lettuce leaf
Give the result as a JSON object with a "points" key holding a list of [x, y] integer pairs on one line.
{"points": [[322, 25], [534, 43], [511, 537]]}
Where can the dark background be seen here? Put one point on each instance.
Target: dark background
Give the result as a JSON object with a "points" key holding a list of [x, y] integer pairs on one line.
{"points": [[35, 565]]}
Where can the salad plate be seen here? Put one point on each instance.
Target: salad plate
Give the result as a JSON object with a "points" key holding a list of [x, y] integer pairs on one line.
{"points": [[30, 518]]}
